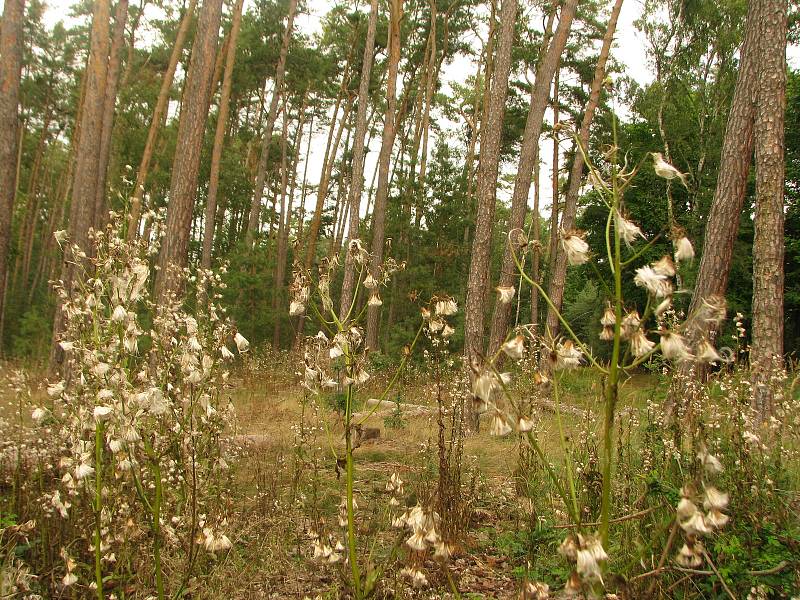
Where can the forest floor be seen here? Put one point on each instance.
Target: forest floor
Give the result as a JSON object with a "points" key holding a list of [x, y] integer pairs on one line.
{"points": [[288, 485], [506, 519]]}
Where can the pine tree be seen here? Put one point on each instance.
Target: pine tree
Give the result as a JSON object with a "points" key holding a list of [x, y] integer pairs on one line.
{"points": [[558, 275], [87, 158], [219, 137], [488, 166], [186, 165], [10, 71], [155, 123], [387, 142], [527, 162], [255, 206], [357, 177], [766, 353]]}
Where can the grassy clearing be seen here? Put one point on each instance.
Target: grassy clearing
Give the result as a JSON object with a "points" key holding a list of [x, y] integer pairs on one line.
{"points": [[286, 483], [491, 559]]}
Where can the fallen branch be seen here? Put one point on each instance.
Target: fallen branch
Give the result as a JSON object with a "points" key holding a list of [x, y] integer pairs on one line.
{"points": [[706, 572]]}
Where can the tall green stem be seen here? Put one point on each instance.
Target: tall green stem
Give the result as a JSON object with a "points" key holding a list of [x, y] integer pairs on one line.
{"points": [[98, 507], [568, 466], [156, 527], [612, 384], [351, 525]]}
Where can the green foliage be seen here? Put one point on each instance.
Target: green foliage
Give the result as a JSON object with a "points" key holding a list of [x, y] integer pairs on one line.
{"points": [[396, 419], [536, 552], [32, 338]]}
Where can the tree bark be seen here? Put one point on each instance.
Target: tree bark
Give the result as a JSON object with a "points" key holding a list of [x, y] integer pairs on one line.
{"points": [[722, 226], [432, 73], [387, 142], [488, 166], [27, 231], [155, 124], [559, 274], [527, 161], [357, 178], [255, 205], [324, 182], [84, 185], [11, 32], [186, 165], [301, 209], [766, 352], [112, 79], [284, 220], [536, 251], [123, 83], [552, 247], [219, 139]]}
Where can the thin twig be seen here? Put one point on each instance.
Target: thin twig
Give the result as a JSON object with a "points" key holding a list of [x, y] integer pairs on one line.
{"points": [[663, 559], [629, 517], [776, 569], [758, 573], [677, 583], [722, 581]]}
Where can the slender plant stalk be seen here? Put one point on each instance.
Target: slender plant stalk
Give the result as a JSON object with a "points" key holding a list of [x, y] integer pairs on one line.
{"points": [[568, 465], [159, 492], [612, 383], [351, 526], [98, 506]]}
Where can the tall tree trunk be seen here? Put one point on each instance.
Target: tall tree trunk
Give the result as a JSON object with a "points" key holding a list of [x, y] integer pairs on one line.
{"points": [[84, 186], [301, 210], [219, 139], [28, 227], [766, 352], [343, 206], [527, 161], [284, 220], [48, 260], [299, 322], [186, 165], [110, 100], [328, 161], [387, 142], [158, 114], [475, 123], [559, 274], [722, 225], [478, 280], [357, 178], [11, 31], [340, 201], [255, 205], [137, 19], [552, 249], [536, 252], [430, 81], [324, 182]]}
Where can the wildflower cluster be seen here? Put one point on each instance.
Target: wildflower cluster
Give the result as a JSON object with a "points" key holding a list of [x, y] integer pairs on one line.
{"points": [[436, 325], [16, 579], [694, 522], [587, 558], [140, 413], [336, 357], [626, 328], [424, 525], [326, 550]]}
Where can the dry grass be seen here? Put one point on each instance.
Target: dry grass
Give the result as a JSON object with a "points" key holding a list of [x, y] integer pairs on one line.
{"points": [[280, 495], [271, 551]]}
